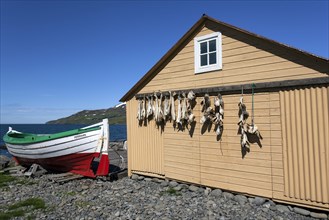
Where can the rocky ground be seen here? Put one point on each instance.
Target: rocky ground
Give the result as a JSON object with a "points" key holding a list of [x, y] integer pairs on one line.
{"points": [[141, 198]]}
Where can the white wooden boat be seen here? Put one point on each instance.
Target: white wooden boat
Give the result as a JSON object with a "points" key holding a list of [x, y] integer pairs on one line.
{"points": [[70, 151]]}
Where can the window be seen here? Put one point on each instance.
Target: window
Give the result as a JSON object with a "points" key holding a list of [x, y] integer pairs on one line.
{"points": [[208, 53]]}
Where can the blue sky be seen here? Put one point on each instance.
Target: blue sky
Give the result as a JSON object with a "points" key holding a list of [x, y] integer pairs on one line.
{"points": [[60, 57]]}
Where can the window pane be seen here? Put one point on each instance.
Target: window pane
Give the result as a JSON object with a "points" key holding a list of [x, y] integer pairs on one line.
{"points": [[212, 58], [212, 45], [203, 47], [204, 60]]}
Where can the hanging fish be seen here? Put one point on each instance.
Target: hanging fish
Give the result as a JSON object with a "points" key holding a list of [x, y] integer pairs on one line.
{"points": [[205, 102], [184, 108], [149, 111], [253, 129], [190, 115], [172, 98], [206, 109], [160, 113], [244, 138], [221, 108], [143, 113], [191, 95], [216, 101], [243, 114], [218, 130], [179, 111], [166, 107], [139, 110], [156, 109]]}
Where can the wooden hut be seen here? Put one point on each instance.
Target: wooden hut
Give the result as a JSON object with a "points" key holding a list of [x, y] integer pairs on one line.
{"points": [[289, 104]]}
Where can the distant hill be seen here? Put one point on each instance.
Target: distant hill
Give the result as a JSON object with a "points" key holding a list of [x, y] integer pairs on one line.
{"points": [[116, 115]]}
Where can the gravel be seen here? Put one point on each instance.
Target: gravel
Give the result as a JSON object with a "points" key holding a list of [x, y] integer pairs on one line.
{"points": [[142, 198]]}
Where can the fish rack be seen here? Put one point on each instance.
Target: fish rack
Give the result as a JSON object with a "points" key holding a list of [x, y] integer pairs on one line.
{"points": [[236, 89]]}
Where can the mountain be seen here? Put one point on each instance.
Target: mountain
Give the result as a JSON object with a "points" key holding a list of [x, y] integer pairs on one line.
{"points": [[116, 115]]}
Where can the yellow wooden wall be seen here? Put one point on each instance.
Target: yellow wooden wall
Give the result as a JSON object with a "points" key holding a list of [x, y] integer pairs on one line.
{"points": [[202, 159], [145, 143], [242, 63], [305, 130]]}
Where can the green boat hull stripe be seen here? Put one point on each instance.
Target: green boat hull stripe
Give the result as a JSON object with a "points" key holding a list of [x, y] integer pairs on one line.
{"points": [[25, 138]]}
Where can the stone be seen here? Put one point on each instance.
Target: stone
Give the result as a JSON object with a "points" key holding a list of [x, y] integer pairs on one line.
{"points": [[173, 183], [130, 199], [319, 215], [178, 188], [164, 184], [301, 211], [282, 208], [134, 177], [216, 193], [117, 214], [241, 199], [156, 180], [259, 201], [193, 188], [140, 178], [184, 186], [207, 191], [84, 187], [267, 205], [228, 195], [201, 190], [147, 179]]}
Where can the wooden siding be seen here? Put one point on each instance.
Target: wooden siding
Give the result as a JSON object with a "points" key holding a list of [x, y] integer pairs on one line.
{"points": [[182, 152], [273, 170], [224, 165], [305, 120], [242, 63], [145, 143]]}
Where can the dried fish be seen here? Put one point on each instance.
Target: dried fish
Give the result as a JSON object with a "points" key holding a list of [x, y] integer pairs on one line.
{"points": [[184, 108], [253, 129], [179, 110], [143, 114], [149, 111], [160, 113], [166, 108], [156, 110], [206, 109], [191, 95], [139, 110], [173, 114], [243, 114], [244, 139]]}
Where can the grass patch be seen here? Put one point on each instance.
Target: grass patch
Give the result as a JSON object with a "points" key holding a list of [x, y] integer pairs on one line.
{"points": [[5, 179], [11, 214], [171, 191], [22, 208], [71, 193], [82, 204], [36, 203]]}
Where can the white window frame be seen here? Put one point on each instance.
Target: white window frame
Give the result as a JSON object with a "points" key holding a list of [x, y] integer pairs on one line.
{"points": [[197, 63]]}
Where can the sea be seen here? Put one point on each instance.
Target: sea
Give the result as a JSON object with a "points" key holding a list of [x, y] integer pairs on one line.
{"points": [[117, 132]]}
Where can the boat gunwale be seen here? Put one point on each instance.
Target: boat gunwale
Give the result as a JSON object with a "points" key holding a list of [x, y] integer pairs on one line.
{"points": [[28, 138]]}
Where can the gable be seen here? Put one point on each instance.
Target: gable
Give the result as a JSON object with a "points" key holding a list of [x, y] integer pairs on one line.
{"points": [[246, 58], [242, 63]]}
